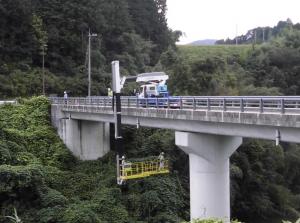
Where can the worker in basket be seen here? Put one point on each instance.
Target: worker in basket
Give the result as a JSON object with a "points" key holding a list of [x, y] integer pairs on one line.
{"points": [[161, 160], [125, 166]]}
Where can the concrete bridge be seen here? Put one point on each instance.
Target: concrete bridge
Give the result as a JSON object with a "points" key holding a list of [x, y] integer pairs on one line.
{"points": [[208, 129]]}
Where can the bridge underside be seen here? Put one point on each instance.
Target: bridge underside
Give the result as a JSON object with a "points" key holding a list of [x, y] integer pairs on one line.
{"points": [[259, 131]]}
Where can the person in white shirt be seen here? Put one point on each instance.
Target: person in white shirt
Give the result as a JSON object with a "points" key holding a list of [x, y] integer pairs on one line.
{"points": [[161, 160]]}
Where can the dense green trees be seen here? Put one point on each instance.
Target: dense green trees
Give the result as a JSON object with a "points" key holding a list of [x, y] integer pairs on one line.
{"points": [[45, 183], [261, 34], [134, 32], [269, 69], [264, 172], [277, 64]]}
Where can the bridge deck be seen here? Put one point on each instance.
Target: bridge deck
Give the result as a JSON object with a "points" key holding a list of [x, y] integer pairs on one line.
{"points": [[257, 117], [263, 104]]}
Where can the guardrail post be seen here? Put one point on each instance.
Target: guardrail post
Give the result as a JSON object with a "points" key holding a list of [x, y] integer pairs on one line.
{"points": [[282, 106], [194, 103], [208, 104], [128, 102], [137, 102], [224, 104], [146, 102], [261, 105], [156, 102], [98, 104], [168, 102], [242, 105], [180, 103]]}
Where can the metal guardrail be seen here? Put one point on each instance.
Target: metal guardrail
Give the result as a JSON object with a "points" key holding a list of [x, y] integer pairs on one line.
{"points": [[8, 102], [258, 104]]}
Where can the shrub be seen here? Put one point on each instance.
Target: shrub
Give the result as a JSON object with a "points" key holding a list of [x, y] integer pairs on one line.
{"points": [[16, 177], [79, 213]]}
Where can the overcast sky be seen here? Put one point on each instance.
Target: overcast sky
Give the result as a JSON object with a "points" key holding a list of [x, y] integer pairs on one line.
{"points": [[219, 19]]}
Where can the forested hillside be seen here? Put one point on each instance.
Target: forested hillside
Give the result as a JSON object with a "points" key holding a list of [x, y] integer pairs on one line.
{"points": [[133, 32], [265, 69], [261, 34]]}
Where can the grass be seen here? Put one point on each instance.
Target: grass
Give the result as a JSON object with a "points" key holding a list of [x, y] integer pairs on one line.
{"points": [[192, 53]]}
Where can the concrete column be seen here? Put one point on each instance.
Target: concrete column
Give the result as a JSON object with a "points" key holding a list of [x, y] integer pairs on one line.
{"points": [[86, 139], [209, 172]]}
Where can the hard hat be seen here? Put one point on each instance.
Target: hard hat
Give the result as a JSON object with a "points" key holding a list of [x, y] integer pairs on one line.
{"points": [[162, 153], [123, 157], [65, 92]]}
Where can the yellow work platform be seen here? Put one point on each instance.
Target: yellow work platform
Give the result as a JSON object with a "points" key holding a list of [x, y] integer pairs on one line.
{"points": [[134, 170]]}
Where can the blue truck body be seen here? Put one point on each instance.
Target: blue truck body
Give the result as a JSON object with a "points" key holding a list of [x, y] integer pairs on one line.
{"points": [[157, 95]]}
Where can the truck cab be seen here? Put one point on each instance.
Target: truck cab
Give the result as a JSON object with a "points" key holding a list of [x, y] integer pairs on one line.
{"points": [[153, 85], [153, 90]]}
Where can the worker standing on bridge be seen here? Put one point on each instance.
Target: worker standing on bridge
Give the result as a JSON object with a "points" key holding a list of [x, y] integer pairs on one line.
{"points": [[109, 92], [65, 97], [161, 160]]}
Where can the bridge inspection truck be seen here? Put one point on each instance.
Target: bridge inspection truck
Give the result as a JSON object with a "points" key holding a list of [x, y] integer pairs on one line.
{"points": [[154, 86], [153, 90]]}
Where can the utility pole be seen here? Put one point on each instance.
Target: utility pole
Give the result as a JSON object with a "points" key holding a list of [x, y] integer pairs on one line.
{"points": [[89, 63], [236, 35], [43, 67], [43, 70]]}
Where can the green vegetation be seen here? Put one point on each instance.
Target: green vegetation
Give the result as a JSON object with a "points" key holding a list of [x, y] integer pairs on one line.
{"points": [[261, 34], [192, 53], [267, 69], [134, 32], [14, 218], [45, 183]]}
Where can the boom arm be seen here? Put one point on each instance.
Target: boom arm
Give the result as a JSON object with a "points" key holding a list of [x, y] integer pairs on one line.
{"points": [[153, 76], [117, 85], [145, 77]]}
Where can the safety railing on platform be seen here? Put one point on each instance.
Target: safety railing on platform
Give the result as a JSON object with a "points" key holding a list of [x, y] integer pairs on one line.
{"points": [[260, 104], [133, 170]]}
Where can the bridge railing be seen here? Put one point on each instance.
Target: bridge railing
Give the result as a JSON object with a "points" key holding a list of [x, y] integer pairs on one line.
{"points": [[8, 102], [259, 104]]}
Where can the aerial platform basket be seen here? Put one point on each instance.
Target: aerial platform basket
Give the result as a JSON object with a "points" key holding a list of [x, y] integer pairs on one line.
{"points": [[135, 170]]}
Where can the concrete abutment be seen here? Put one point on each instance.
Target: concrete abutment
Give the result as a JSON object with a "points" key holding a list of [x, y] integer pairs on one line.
{"points": [[87, 140]]}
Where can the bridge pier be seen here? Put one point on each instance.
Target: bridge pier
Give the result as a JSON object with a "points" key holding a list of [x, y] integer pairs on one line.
{"points": [[209, 172]]}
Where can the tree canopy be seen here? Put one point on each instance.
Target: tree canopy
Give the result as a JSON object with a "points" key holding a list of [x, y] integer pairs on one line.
{"points": [[133, 32]]}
